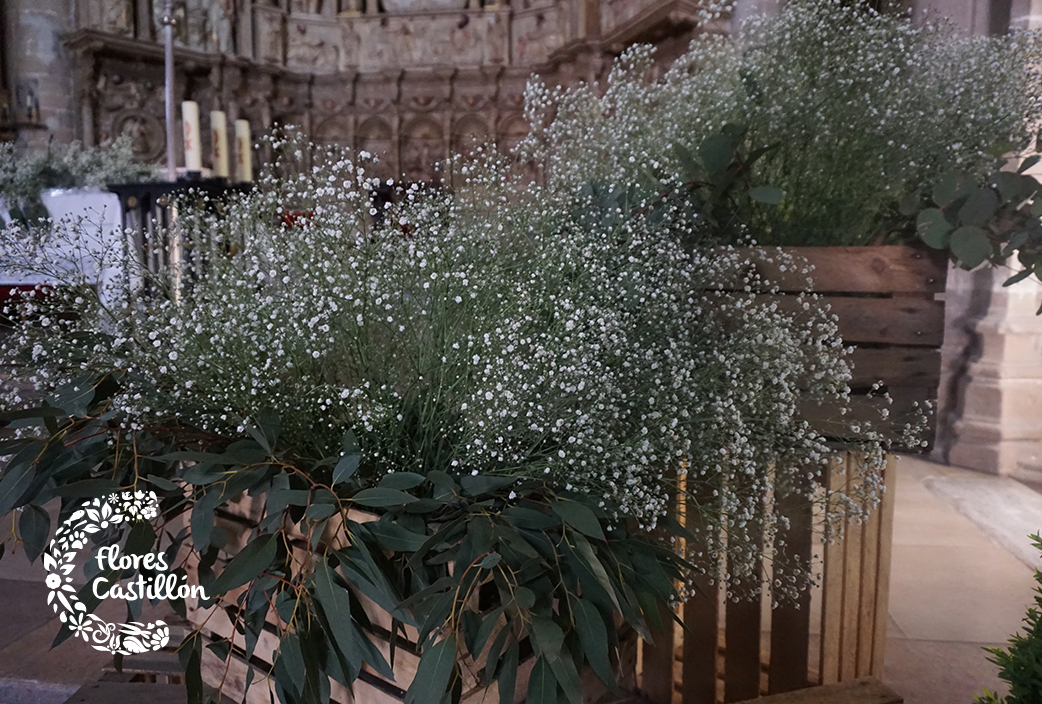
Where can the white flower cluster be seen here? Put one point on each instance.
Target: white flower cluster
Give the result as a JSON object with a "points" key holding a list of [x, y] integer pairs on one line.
{"points": [[500, 327], [860, 108]]}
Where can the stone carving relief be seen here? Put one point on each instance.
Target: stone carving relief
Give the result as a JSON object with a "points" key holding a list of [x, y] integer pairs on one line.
{"points": [[221, 16], [422, 150], [307, 7], [146, 133], [313, 47], [269, 38], [434, 40], [617, 12], [537, 34], [118, 17]]}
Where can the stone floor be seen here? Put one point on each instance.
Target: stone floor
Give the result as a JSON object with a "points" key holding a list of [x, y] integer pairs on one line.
{"points": [[961, 580]]}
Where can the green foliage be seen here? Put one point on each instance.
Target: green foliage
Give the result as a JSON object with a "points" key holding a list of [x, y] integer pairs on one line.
{"points": [[986, 220], [860, 108], [23, 176], [492, 568], [1021, 663], [507, 379]]}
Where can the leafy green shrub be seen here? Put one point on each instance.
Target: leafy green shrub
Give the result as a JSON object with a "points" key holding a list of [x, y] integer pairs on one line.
{"points": [[511, 377], [859, 109], [23, 176], [1021, 663], [989, 220]]}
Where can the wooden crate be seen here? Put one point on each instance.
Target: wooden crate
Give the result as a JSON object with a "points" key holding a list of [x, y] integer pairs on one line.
{"points": [[237, 521], [733, 651], [886, 300]]}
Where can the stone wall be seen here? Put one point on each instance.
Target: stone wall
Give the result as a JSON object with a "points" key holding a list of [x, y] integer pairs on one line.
{"points": [[408, 80], [37, 69]]}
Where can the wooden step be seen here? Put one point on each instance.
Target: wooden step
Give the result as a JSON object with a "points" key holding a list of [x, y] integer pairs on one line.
{"points": [[129, 693], [863, 691]]}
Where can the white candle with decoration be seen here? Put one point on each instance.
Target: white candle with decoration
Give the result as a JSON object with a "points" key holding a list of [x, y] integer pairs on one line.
{"points": [[193, 145], [219, 131], [243, 154]]}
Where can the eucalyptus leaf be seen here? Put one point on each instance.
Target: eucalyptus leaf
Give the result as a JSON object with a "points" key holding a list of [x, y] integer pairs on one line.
{"points": [[394, 538], [319, 512], [542, 684], [950, 188], [970, 246], [480, 484], [250, 563], [567, 678], [547, 635], [346, 467], [34, 527], [379, 497], [768, 195], [933, 228], [716, 152], [401, 480], [202, 518], [580, 517], [15, 479], [979, 207], [594, 638], [88, 489], [508, 674], [434, 673], [289, 666]]}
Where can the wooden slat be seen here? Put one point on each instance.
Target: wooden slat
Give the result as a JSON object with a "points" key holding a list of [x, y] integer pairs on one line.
{"points": [[851, 593], [890, 269], [869, 574], [886, 541], [827, 419], [742, 648], [902, 320], [129, 692], [702, 621], [862, 691], [658, 662], [790, 621], [896, 366], [832, 595]]}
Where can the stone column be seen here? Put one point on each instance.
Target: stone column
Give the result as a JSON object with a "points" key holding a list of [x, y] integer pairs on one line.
{"points": [[1025, 14], [990, 417], [38, 68]]}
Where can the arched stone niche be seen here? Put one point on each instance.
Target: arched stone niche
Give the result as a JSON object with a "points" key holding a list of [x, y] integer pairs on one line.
{"points": [[422, 150]]}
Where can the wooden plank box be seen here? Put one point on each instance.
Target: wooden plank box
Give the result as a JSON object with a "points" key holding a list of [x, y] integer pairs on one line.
{"points": [[888, 309], [237, 521], [735, 650]]}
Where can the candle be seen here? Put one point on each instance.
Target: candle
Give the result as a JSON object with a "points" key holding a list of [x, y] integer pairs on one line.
{"points": [[193, 148], [219, 129], [244, 158]]}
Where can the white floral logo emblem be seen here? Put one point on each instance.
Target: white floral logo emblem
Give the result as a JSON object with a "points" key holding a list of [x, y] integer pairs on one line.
{"points": [[71, 536]]}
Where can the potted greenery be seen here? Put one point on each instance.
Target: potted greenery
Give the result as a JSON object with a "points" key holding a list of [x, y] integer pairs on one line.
{"points": [[63, 185], [460, 420], [1020, 665], [817, 130]]}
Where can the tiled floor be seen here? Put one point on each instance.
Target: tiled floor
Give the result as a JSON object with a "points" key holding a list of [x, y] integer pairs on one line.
{"points": [[956, 585]]}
